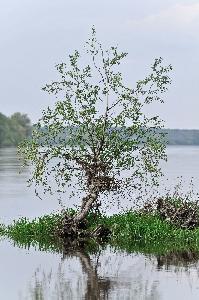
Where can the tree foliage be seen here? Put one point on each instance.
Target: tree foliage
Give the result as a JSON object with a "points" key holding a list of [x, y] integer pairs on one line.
{"points": [[111, 146]]}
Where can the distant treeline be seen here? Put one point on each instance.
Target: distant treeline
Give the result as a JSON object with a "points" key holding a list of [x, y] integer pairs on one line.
{"points": [[182, 136], [172, 137], [14, 129]]}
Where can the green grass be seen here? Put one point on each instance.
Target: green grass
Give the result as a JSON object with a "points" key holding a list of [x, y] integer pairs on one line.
{"points": [[131, 231], [38, 232], [134, 232]]}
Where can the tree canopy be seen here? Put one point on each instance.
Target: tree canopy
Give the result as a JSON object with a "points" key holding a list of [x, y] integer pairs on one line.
{"points": [[112, 146]]}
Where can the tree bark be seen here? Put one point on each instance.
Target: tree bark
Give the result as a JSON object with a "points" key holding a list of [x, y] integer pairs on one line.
{"points": [[87, 202]]}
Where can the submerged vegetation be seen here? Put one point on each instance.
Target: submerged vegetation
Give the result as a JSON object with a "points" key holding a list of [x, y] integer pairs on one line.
{"points": [[132, 231], [169, 230]]}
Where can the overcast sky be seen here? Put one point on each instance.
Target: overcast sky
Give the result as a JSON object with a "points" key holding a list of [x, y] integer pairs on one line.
{"points": [[37, 34]]}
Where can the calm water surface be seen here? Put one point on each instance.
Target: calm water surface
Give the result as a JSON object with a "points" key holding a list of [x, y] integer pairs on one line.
{"points": [[32, 274]]}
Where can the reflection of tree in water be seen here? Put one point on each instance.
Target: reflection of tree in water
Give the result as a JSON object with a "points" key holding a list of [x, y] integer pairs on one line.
{"points": [[97, 287], [94, 288], [10, 163], [100, 277], [178, 259], [113, 283], [179, 262]]}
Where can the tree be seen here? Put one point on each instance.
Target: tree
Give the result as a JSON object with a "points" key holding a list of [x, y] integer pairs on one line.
{"points": [[21, 119], [97, 135], [14, 129], [4, 131], [20, 128]]}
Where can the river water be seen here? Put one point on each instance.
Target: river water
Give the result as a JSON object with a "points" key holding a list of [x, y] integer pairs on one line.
{"points": [[109, 274]]}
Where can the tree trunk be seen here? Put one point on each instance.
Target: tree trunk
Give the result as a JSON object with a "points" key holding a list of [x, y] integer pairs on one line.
{"points": [[87, 202]]}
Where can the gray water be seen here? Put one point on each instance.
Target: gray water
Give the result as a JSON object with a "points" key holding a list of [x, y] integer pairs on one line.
{"points": [[109, 274]]}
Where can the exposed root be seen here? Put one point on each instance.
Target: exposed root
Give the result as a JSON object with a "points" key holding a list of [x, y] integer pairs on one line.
{"points": [[101, 232], [77, 232]]}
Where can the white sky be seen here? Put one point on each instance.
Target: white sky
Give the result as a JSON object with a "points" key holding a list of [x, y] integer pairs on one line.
{"points": [[37, 34]]}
